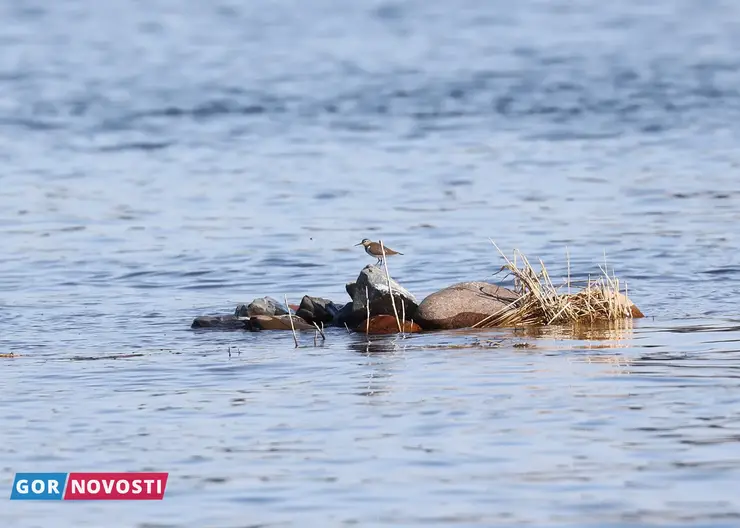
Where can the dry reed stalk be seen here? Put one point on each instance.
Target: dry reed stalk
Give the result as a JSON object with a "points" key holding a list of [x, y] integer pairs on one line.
{"points": [[367, 306], [290, 318], [567, 257], [390, 290], [320, 330], [540, 302], [403, 317]]}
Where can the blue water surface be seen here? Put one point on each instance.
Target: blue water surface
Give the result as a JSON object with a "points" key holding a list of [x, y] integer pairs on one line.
{"points": [[161, 160]]}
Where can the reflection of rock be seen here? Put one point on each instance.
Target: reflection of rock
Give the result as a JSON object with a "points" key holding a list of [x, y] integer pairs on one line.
{"points": [[462, 305], [374, 280], [223, 322], [278, 322], [316, 309], [261, 306], [386, 324]]}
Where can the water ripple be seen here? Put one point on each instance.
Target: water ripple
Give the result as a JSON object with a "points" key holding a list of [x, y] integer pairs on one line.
{"points": [[174, 161]]}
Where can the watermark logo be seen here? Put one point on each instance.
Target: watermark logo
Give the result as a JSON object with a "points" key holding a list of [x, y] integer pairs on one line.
{"points": [[89, 486], [38, 486]]}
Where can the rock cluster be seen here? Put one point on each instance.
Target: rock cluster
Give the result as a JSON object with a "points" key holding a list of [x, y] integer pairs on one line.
{"points": [[378, 305], [370, 293]]}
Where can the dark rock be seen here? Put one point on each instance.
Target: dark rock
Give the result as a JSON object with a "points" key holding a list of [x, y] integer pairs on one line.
{"points": [[351, 288], [223, 322], [278, 322], [261, 306], [386, 324], [318, 310], [462, 305], [374, 280], [348, 316]]}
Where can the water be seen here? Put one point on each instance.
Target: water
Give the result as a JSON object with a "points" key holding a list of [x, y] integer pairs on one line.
{"points": [[163, 160]]}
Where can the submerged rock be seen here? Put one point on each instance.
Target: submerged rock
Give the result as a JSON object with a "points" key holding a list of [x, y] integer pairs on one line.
{"points": [[261, 306], [222, 322], [278, 322], [462, 305], [317, 309], [386, 324], [374, 281]]}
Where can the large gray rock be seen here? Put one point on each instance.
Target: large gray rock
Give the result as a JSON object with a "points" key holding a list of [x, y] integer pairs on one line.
{"points": [[261, 306], [462, 305], [374, 280]]}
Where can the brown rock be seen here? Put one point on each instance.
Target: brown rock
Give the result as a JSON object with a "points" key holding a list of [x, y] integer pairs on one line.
{"points": [[636, 312], [462, 305], [278, 322], [387, 324]]}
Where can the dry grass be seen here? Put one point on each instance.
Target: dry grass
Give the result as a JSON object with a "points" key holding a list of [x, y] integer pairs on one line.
{"points": [[390, 291], [290, 318], [540, 302]]}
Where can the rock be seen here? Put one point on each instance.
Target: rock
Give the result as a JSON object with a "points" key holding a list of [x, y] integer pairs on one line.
{"points": [[227, 322], [351, 288], [634, 310], [316, 309], [261, 306], [386, 324], [278, 322], [462, 305], [376, 282], [348, 316]]}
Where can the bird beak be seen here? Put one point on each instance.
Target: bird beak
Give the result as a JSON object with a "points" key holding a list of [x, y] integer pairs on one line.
{"points": [[358, 244]]}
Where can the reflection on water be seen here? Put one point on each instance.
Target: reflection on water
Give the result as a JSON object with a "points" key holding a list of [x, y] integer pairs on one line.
{"points": [[607, 333]]}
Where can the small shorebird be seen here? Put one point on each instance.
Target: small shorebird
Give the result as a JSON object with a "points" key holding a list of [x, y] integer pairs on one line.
{"points": [[373, 249]]}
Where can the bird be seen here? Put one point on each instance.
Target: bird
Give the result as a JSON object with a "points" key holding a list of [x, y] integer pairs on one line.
{"points": [[373, 249]]}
